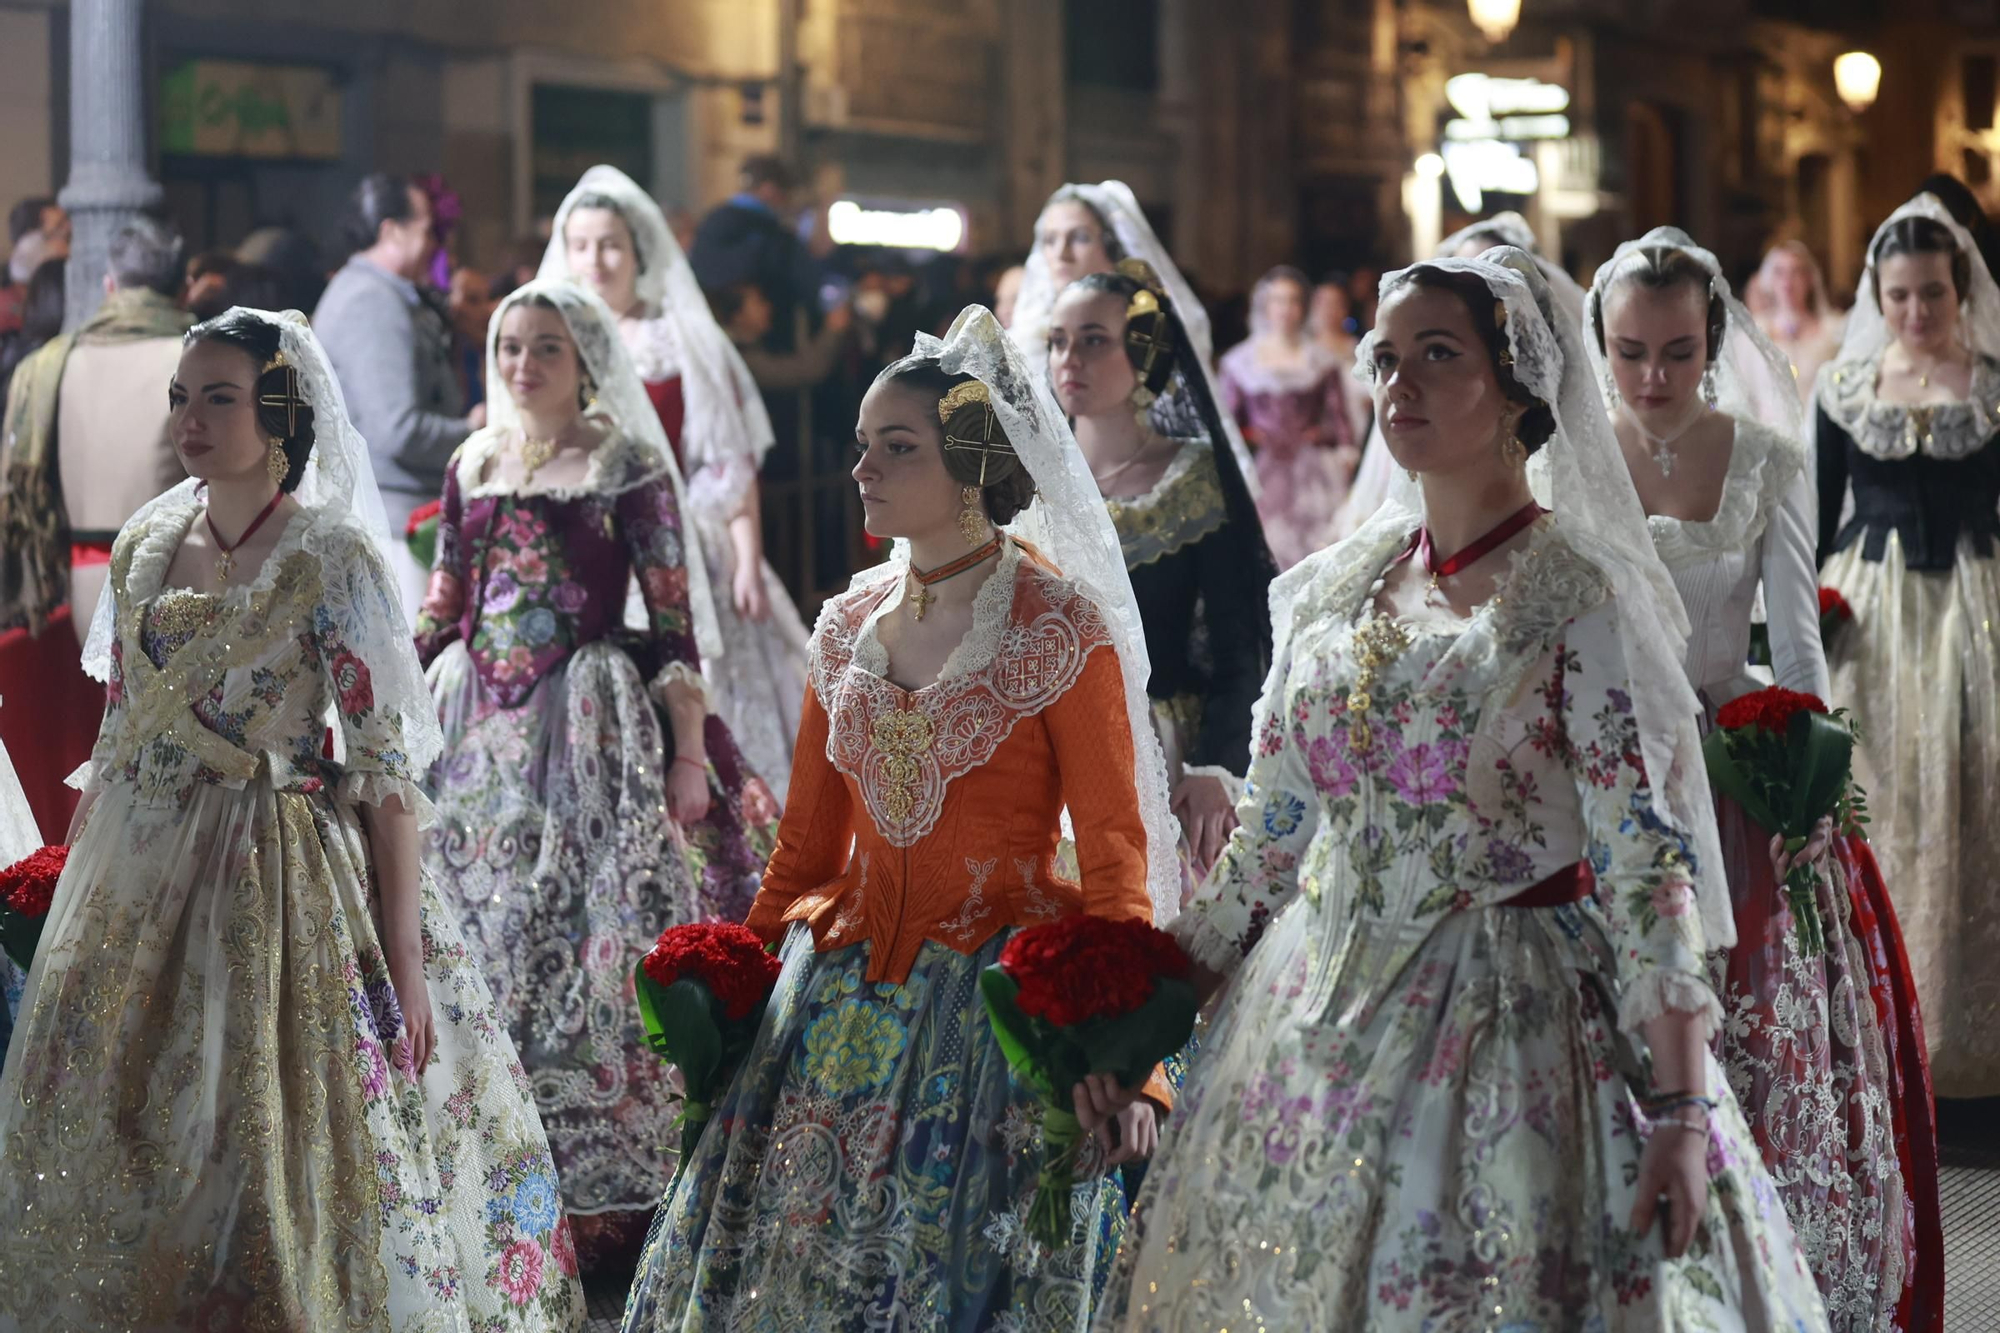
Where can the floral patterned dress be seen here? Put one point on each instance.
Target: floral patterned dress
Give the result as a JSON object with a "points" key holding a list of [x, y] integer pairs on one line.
{"points": [[553, 844], [1830, 1080], [199, 1122], [1415, 1109], [871, 1163]]}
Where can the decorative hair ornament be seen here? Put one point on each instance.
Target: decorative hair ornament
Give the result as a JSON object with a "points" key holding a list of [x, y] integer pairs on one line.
{"points": [[1148, 334], [1500, 322], [287, 395], [972, 391], [966, 412]]}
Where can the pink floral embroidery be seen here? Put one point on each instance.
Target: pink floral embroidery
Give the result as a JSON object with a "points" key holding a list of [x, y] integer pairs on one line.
{"points": [[519, 1271]]}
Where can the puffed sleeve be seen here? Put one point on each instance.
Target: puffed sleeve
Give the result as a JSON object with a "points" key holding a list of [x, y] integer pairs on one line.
{"points": [[95, 772], [1238, 614], [1090, 732], [655, 536], [1258, 873], [816, 831], [1644, 886], [1091, 735], [444, 597], [383, 712], [1791, 591]]}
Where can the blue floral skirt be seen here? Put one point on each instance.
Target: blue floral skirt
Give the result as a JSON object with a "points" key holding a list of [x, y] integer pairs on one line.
{"points": [[871, 1167]]}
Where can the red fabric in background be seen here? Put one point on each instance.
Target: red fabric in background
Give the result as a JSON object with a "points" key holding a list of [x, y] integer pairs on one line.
{"points": [[49, 713], [1912, 1109], [672, 407]]}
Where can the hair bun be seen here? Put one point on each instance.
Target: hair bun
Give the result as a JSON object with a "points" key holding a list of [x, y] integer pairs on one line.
{"points": [[973, 434]]}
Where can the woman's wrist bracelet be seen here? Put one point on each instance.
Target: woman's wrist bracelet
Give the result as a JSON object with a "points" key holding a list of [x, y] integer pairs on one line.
{"points": [[701, 764]]}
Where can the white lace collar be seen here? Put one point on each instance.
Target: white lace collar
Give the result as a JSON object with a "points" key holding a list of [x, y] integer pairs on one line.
{"points": [[991, 608], [1900, 430], [1761, 465], [618, 464], [155, 545]]}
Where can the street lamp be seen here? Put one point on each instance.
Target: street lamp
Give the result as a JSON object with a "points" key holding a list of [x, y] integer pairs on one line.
{"points": [[1857, 77], [1495, 18]]}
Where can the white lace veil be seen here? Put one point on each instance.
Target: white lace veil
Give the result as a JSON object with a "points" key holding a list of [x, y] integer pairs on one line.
{"points": [[724, 411], [1510, 228], [621, 401], [1598, 514], [1753, 379], [1867, 333], [1068, 523], [1115, 204], [339, 503]]}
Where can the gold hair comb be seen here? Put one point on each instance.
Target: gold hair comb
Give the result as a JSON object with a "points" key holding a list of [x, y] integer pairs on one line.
{"points": [[972, 391]]}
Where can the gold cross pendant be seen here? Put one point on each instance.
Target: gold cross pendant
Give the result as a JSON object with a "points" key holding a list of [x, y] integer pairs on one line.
{"points": [[223, 564], [921, 598]]}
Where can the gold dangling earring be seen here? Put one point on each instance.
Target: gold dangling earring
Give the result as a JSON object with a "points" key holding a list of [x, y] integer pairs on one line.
{"points": [[278, 464], [972, 519], [1515, 452], [1410, 472]]}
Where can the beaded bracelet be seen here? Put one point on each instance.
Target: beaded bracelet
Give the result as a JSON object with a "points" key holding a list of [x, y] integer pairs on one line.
{"points": [[1654, 1109], [1680, 1124]]}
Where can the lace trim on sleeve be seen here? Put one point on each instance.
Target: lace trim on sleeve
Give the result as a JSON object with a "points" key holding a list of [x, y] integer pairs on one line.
{"points": [[680, 673], [87, 777], [371, 788], [1204, 943], [1658, 990]]}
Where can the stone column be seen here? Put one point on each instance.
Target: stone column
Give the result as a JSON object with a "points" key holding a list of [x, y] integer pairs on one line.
{"points": [[108, 185]]}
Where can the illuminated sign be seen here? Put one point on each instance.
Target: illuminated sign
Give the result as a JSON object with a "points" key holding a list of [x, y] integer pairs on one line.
{"points": [[231, 108], [1481, 147], [1487, 164], [848, 223], [1483, 97]]}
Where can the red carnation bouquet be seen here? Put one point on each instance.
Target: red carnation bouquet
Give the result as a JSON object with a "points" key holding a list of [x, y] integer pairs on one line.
{"points": [[1080, 996], [1789, 763], [420, 533], [1833, 612], [702, 992], [26, 889]]}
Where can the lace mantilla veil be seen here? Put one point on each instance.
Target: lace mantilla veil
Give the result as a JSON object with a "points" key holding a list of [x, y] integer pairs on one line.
{"points": [[1753, 379], [638, 440], [1598, 514], [339, 505], [1067, 522], [1867, 334], [1035, 305], [1510, 228], [725, 412]]}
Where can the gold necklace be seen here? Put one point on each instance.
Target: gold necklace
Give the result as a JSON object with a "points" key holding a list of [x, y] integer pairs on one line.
{"points": [[535, 455]]}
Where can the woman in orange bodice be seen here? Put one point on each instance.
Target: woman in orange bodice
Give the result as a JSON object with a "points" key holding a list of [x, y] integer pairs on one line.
{"points": [[872, 1162]]}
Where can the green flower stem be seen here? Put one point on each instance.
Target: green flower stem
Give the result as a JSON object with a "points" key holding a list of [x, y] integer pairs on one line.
{"points": [[1801, 885], [1050, 1215]]}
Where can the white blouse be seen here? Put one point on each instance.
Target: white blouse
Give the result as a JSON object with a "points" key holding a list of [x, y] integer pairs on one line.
{"points": [[1763, 531]]}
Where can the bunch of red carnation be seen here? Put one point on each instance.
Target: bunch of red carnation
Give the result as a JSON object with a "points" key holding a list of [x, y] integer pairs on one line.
{"points": [[26, 889], [420, 532], [1768, 710], [702, 992], [1081, 996], [727, 958], [1789, 763], [1085, 967], [1833, 612]]}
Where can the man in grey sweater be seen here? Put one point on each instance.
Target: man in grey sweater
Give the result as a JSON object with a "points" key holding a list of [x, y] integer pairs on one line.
{"points": [[391, 351]]}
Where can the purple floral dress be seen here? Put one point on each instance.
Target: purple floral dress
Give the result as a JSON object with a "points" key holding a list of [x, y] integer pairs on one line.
{"points": [[553, 842]]}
